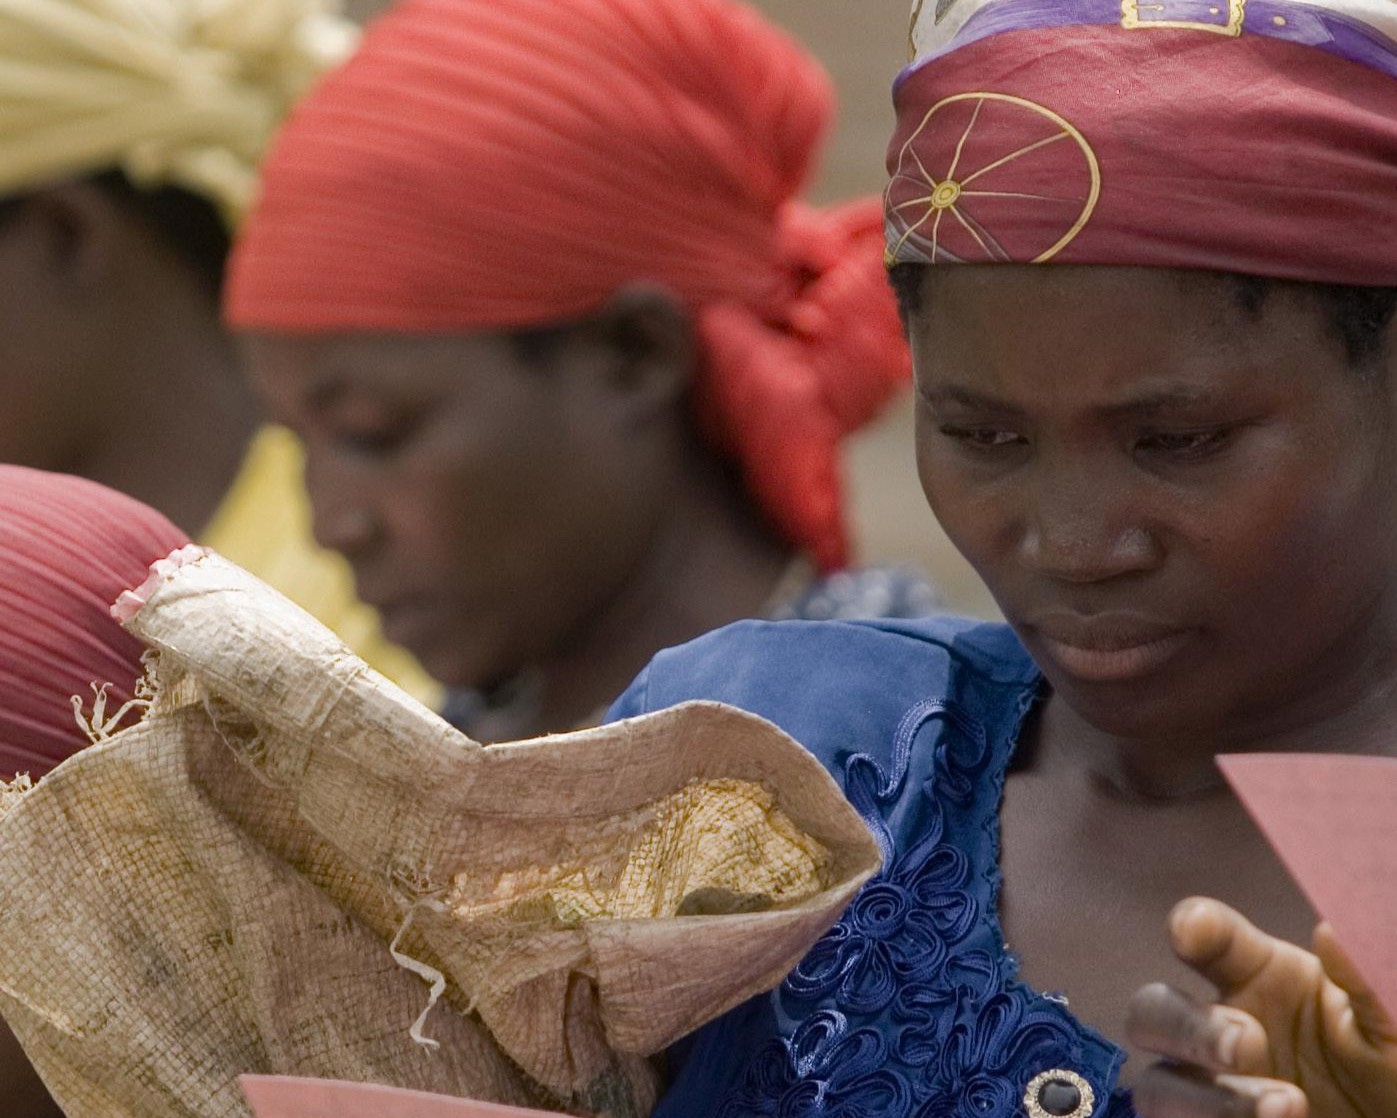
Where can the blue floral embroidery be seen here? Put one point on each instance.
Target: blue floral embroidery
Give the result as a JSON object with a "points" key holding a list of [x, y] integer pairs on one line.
{"points": [[824, 1069], [899, 930], [871, 789], [965, 1038], [987, 1060], [926, 1012]]}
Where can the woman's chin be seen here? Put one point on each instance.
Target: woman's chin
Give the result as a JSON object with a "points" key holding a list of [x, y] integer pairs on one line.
{"points": [[1138, 709]]}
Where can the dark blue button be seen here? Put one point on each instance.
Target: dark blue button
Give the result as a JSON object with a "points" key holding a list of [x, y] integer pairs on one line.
{"points": [[1059, 1097]]}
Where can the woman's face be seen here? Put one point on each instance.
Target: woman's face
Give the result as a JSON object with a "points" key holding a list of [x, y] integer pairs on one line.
{"points": [[1187, 512], [490, 506], [52, 379]]}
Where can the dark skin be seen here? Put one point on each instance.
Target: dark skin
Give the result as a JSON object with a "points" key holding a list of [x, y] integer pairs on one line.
{"points": [[113, 365], [1190, 517], [505, 513], [20, 1086]]}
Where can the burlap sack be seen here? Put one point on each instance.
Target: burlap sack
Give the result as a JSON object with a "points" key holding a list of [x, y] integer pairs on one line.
{"points": [[217, 889]]}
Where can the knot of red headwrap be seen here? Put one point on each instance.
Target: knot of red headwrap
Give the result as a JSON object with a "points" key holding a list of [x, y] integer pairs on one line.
{"points": [[498, 164], [68, 549], [780, 396]]}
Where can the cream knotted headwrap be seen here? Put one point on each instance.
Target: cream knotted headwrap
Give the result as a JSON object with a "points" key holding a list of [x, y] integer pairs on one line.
{"points": [[172, 92]]}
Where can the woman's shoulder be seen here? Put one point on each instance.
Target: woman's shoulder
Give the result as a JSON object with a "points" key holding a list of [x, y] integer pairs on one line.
{"points": [[844, 687], [836, 664], [910, 1005]]}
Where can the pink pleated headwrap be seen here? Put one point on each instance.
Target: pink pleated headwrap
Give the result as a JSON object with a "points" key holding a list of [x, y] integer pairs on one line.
{"points": [[487, 165], [68, 548]]}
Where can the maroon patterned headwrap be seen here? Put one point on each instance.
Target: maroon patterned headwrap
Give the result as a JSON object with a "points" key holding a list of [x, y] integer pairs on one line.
{"points": [[1255, 136]]}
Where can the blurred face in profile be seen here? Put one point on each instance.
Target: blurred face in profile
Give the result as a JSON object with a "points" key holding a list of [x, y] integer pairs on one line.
{"points": [[49, 382], [101, 311], [492, 501], [1187, 511]]}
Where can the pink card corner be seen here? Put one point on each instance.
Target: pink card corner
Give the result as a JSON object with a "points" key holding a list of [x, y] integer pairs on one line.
{"points": [[1332, 819], [277, 1096]]}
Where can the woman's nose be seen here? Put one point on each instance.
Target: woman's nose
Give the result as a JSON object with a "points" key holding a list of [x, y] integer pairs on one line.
{"points": [[1086, 531], [348, 529], [343, 518]]}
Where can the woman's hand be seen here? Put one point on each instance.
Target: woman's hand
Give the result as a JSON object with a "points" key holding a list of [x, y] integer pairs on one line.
{"points": [[1292, 1034]]}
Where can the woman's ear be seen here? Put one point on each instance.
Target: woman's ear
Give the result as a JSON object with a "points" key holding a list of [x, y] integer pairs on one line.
{"points": [[646, 350], [72, 234]]}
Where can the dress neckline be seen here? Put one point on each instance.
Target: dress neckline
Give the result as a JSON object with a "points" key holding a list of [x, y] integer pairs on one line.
{"points": [[1020, 755]]}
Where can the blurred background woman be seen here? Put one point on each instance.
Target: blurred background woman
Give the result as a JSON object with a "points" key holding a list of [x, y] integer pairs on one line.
{"points": [[130, 132], [571, 360]]}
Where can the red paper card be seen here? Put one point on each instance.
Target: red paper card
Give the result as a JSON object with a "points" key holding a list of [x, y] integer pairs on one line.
{"points": [[277, 1096], [1332, 818]]}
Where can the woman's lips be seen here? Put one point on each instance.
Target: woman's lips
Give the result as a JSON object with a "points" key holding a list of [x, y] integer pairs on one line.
{"points": [[1109, 649]]}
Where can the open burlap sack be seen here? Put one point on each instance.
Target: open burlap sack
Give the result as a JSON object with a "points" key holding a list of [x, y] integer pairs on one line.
{"points": [[219, 889]]}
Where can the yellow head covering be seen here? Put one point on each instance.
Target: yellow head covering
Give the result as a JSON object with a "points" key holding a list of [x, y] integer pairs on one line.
{"points": [[172, 92]]}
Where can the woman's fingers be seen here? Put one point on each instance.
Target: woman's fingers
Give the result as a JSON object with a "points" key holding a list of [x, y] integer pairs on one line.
{"points": [[1370, 1017], [1172, 1025], [1168, 1091], [1219, 943]]}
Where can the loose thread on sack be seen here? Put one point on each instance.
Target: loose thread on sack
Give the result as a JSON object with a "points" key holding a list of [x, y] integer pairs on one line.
{"points": [[422, 970], [149, 686], [12, 791], [97, 726]]}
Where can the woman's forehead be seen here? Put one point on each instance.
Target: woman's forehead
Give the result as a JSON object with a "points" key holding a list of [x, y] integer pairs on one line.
{"points": [[1123, 339], [1084, 303]]}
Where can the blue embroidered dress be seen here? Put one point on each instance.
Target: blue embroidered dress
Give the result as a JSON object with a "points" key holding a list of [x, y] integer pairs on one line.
{"points": [[910, 1006]]}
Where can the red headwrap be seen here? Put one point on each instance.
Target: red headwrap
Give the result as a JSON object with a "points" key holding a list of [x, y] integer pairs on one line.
{"points": [[497, 164], [68, 549]]}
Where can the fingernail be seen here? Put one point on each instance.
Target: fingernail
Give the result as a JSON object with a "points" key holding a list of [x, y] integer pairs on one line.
{"points": [[1277, 1104], [1185, 911], [1228, 1042]]}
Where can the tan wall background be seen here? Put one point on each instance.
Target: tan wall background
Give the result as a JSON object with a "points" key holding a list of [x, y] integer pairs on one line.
{"points": [[863, 43]]}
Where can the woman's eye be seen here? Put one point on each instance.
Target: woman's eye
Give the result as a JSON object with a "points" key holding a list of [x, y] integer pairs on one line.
{"points": [[981, 438], [1186, 444], [377, 440]]}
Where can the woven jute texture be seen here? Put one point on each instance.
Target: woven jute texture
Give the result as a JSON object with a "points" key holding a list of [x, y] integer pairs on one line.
{"points": [[287, 859]]}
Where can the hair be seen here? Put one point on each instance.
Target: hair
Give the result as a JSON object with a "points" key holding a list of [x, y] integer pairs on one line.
{"points": [[906, 280], [1358, 316], [184, 222], [188, 223], [537, 345]]}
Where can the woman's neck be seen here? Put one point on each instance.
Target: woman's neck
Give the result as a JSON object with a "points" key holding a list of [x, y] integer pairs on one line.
{"points": [[710, 562], [1353, 711]]}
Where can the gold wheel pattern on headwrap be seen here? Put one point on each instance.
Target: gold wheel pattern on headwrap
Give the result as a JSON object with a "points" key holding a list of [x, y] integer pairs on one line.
{"points": [[915, 223]]}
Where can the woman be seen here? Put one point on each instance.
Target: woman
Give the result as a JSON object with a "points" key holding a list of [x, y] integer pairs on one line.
{"points": [[570, 360], [129, 139], [68, 547], [1148, 265]]}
